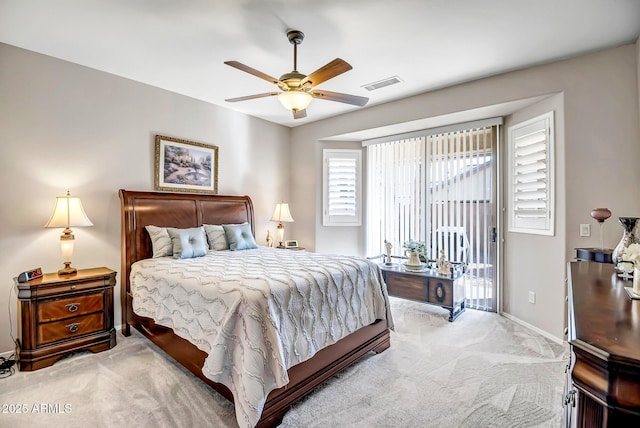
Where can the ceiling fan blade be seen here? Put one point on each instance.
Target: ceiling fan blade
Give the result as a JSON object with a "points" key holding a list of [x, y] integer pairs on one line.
{"points": [[326, 72], [299, 114], [253, 71], [251, 97], [342, 98]]}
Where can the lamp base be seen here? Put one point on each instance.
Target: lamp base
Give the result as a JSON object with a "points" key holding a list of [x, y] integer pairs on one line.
{"points": [[67, 269]]}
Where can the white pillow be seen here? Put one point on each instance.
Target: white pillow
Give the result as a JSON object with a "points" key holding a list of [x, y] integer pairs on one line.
{"points": [[160, 241], [216, 237]]}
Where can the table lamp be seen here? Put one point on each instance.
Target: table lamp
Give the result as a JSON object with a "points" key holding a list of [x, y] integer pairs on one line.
{"points": [[68, 212], [281, 214]]}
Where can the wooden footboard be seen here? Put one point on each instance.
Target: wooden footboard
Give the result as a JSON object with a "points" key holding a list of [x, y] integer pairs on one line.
{"points": [[303, 377]]}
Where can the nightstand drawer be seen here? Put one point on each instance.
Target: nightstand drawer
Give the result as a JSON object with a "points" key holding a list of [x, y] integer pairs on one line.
{"points": [[60, 330], [69, 288], [70, 307]]}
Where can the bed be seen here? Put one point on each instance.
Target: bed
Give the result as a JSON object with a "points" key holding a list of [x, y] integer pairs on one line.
{"points": [[179, 210]]}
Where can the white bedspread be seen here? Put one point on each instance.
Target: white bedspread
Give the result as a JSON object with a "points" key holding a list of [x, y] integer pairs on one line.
{"points": [[257, 313]]}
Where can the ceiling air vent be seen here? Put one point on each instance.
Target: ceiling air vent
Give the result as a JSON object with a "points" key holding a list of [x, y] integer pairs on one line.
{"points": [[382, 83]]}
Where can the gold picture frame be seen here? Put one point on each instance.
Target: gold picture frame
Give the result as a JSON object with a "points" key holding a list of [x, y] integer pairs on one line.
{"points": [[185, 166]]}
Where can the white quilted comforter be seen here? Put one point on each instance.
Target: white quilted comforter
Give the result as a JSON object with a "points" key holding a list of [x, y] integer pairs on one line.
{"points": [[258, 312]]}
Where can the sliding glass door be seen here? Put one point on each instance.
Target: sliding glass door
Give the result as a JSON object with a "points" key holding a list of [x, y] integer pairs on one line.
{"points": [[438, 188]]}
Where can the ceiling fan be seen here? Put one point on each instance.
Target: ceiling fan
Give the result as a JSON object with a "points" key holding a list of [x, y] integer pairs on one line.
{"points": [[297, 88]]}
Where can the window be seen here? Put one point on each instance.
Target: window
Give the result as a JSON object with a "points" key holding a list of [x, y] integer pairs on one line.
{"points": [[531, 186], [438, 186], [342, 187]]}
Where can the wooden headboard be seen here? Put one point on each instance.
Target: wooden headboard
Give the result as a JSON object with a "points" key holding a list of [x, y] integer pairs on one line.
{"points": [[181, 210]]}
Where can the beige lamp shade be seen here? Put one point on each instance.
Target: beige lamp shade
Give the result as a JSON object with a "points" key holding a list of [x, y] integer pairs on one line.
{"points": [[68, 212], [282, 213]]}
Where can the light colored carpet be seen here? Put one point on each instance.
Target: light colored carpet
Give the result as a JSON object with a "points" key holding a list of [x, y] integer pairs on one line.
{"points": [[480, 371]]}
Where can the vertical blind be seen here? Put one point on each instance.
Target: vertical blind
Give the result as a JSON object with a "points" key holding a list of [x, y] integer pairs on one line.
{"points": [[438, 189]]}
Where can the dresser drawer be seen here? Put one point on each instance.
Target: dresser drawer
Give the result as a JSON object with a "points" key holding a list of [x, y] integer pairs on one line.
{"points": [[63, 329], [70, 307]]}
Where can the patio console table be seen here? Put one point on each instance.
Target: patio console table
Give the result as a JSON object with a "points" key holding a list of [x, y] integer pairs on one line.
{"points": [[446, 291]]}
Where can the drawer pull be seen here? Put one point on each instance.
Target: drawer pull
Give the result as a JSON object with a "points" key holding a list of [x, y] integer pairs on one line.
{"points": [[73, 287], [73, 327], [72, 307]]}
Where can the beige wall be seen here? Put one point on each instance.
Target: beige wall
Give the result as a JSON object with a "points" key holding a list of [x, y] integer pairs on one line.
{"points": [[597, 165], [638, 71], [69, 127], [64, 126], [527, 256]]}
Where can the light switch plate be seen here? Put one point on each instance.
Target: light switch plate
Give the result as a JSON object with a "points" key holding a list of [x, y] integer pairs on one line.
{"points": [[585, 230]]}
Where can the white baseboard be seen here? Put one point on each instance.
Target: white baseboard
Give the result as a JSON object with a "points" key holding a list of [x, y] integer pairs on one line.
{"points": [[532, 327], [7, 354]]}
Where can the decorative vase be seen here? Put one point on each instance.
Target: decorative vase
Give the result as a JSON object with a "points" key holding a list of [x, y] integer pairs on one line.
{"points": [[628, 237], [600, 215], [636, 280], [414, 259]]}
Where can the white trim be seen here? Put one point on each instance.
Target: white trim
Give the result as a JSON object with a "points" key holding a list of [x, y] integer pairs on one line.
{"points": [[533, 328], [7, 354], [483, 123]]}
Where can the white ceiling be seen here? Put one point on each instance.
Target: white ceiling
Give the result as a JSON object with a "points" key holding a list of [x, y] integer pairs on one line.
{"points": [[181, 45]]}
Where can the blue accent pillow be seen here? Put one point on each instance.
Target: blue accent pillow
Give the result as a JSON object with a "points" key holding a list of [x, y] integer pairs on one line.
{"points": [[188, 243], [239, 236]]}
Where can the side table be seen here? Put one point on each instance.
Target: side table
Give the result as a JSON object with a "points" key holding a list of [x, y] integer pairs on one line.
{"points": [[446, 291], [59, 314]]}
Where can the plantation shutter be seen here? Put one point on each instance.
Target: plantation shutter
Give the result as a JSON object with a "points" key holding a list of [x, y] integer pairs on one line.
{"points": [[342, 184], [531, 176]]}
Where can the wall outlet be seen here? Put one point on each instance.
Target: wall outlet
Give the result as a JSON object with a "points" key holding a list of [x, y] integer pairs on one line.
{"points": [[585, 230], [532, 296]]}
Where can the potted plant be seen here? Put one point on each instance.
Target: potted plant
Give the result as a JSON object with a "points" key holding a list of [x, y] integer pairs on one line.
{"points": [[416, 251]]}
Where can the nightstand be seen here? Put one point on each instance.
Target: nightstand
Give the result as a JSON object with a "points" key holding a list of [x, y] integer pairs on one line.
{"points": [[59, 314], [291, 248]]}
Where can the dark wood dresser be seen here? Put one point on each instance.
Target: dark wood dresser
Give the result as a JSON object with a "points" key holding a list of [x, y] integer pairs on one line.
{"points": [[59, 314], [604, 335]]}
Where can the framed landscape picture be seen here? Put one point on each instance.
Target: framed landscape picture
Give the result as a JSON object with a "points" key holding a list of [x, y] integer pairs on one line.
{"points": [[185, 166]]}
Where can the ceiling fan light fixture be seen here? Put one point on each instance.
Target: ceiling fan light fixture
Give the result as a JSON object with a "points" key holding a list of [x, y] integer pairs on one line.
{"points": [[295, 100], [297, 88]]}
